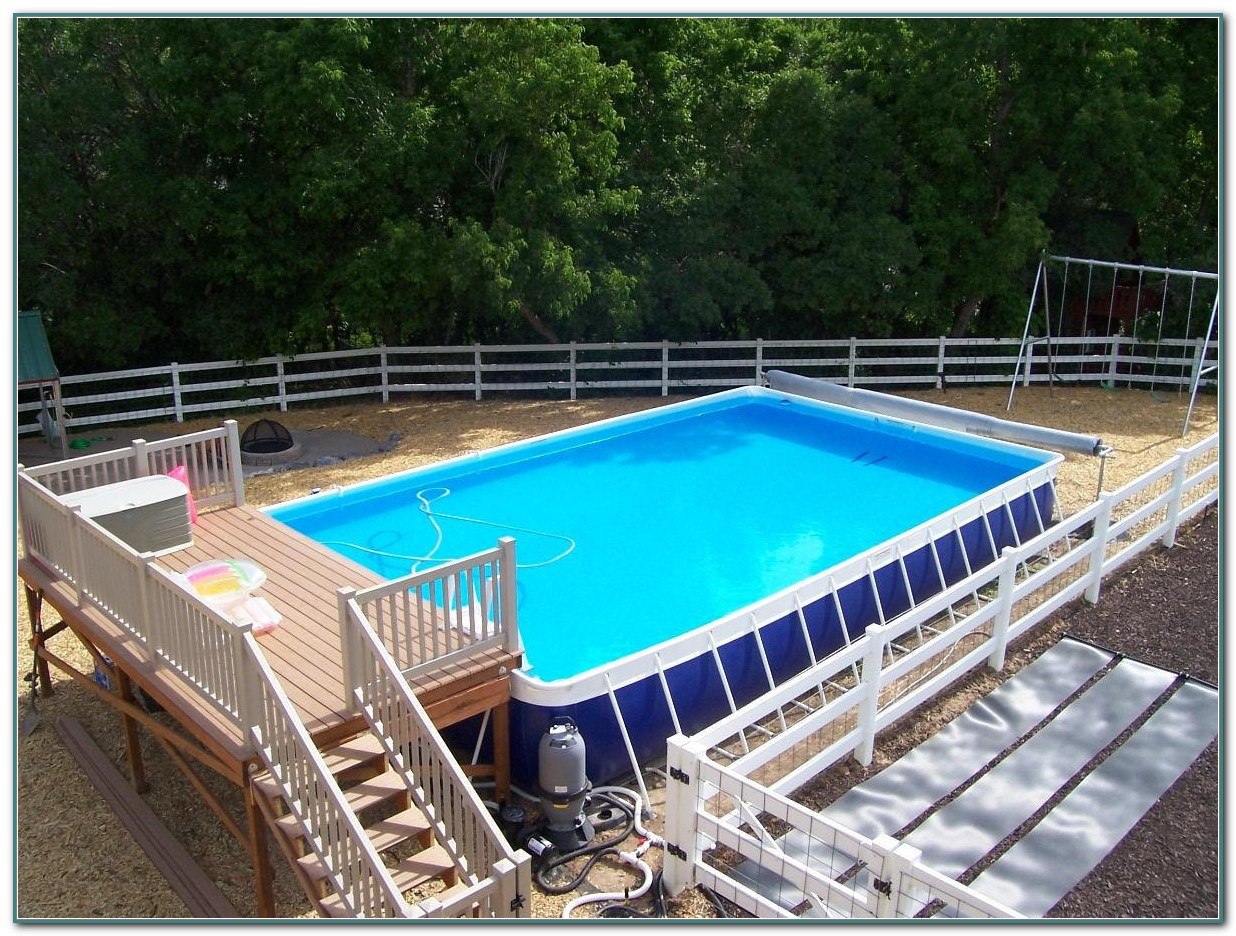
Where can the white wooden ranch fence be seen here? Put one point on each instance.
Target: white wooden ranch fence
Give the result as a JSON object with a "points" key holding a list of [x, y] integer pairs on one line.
{"points": [[744, 766], [178, 391]]}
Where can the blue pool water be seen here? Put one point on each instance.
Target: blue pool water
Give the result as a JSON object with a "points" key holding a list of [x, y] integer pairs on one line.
{"points": [[674, 522]]}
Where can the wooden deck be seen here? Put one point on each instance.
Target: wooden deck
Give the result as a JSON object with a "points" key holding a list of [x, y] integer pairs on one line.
{"points": [[304, 651]]}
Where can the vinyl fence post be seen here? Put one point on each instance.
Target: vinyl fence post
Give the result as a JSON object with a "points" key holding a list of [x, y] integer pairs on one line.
{"points": [[1025, 377], [1179, 471], [759, 360], [681, 792], [940, 363], [1004, 608], [347, 628], [141, 459], [234, 462], [664, 367], [853, 359], [574, 373], [1098, 543], [871, 681], [386, 376], [1112, 370], [281, 378], [177, 402], [476, 369]]}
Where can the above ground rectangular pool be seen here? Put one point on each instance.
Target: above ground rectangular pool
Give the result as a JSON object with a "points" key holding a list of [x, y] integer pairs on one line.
{"points": [[650, 545]]}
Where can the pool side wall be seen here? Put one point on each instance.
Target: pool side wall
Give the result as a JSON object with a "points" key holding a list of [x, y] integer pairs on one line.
{"points": [[696, 685]]}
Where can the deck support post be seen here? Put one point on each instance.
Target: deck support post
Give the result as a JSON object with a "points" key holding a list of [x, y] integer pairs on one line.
{"points": [[132, 740], [259, 855], [34, 604], [500, 719]]}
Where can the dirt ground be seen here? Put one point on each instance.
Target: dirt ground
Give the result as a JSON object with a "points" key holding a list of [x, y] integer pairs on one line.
{"points": [[74, 859]]}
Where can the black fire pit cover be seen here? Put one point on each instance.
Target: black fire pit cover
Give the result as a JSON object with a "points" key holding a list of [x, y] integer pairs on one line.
{"points": [[265, 436]]}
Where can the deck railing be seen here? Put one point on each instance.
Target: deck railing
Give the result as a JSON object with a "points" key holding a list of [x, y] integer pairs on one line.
{"points": [[428, 619], [355, 871], [211, 459], [836, 707], [375, 684]]}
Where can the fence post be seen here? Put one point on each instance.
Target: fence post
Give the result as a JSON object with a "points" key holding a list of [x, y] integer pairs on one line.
{"points": [[250, 680], [508, 896], [869, 707], [1113, 370], [1004, 608], [759, 360], [1025, 378], [1179, 471], [664, 367], [507, 595], [574, 373], [940, 363], [681, 792], [152, 624], [853, 358], [283, 386], [141, 458], [1098, 540], [75, 550], [177, 402], [386, 377], [347, 628], [476, 368], [234, 463]]}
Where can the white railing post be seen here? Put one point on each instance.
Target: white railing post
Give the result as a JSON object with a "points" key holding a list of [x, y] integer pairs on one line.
{"points": [[177, 403], [386, 376], [509, 613], [1179, 472], [152, 624], [282, 382], [900, 859], [1004, 608], [75, 550], [574, 372], [141, 458], [664, 367], [681, 792], [1098, 543], [510, 901], [351, 656], [249, 701], [234, 463], [853, 360], [476, 369], [871, 681]]}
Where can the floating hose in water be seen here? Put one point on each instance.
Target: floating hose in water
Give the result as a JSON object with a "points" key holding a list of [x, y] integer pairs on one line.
{"points": [[426, 508]]}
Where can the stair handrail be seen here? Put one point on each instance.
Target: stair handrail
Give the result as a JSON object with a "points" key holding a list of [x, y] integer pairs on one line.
{"points": [[331, 828], [417, 753]]}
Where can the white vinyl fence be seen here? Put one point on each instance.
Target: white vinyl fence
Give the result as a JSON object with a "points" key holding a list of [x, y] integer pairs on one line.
{"points": [[179, 391], [726, 777]]}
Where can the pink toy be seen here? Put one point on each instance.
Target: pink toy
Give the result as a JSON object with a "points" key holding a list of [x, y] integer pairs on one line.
{"points": [[181, 474]]}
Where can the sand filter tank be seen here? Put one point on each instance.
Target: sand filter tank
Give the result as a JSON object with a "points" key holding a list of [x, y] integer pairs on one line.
{"points": [[564, 785]]}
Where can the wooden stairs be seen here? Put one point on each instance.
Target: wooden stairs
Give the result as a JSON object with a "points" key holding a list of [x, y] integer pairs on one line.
{"points": [[399, 831]]}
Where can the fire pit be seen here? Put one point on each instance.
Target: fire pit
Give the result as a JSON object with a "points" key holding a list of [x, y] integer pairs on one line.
{"points": [[267, 442]]}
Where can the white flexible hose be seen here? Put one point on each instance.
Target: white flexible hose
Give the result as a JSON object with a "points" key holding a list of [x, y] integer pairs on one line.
{"points": [[638, 806], [631, 858]]}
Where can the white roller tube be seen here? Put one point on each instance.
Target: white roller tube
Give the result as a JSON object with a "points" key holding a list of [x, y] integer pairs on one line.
{"points": [[933, 414]]}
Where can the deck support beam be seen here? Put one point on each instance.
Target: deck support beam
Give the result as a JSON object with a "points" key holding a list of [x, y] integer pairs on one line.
{"points": [[259, 854], [132, 741], [34, 604]]}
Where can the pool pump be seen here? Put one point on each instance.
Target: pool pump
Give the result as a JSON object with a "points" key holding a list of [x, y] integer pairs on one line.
{"points": [[564, 786]]}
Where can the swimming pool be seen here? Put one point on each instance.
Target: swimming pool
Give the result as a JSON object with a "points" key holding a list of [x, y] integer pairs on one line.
{"points": [[647, 543]]}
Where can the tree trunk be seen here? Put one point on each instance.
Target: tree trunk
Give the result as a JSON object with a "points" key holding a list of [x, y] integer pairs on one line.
{"points": [[540, 327], [962, 318]]}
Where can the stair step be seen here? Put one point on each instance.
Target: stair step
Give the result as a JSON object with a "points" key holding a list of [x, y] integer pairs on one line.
{"points": [[380, 789], [362, 751], [384, 835], [433, 862]]}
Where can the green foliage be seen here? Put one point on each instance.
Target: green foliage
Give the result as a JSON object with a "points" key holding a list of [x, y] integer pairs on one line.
{"points": [[215, 188]]}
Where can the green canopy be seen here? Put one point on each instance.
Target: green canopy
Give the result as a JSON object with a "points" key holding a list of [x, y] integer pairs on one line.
{"points": [[34, 357]]}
